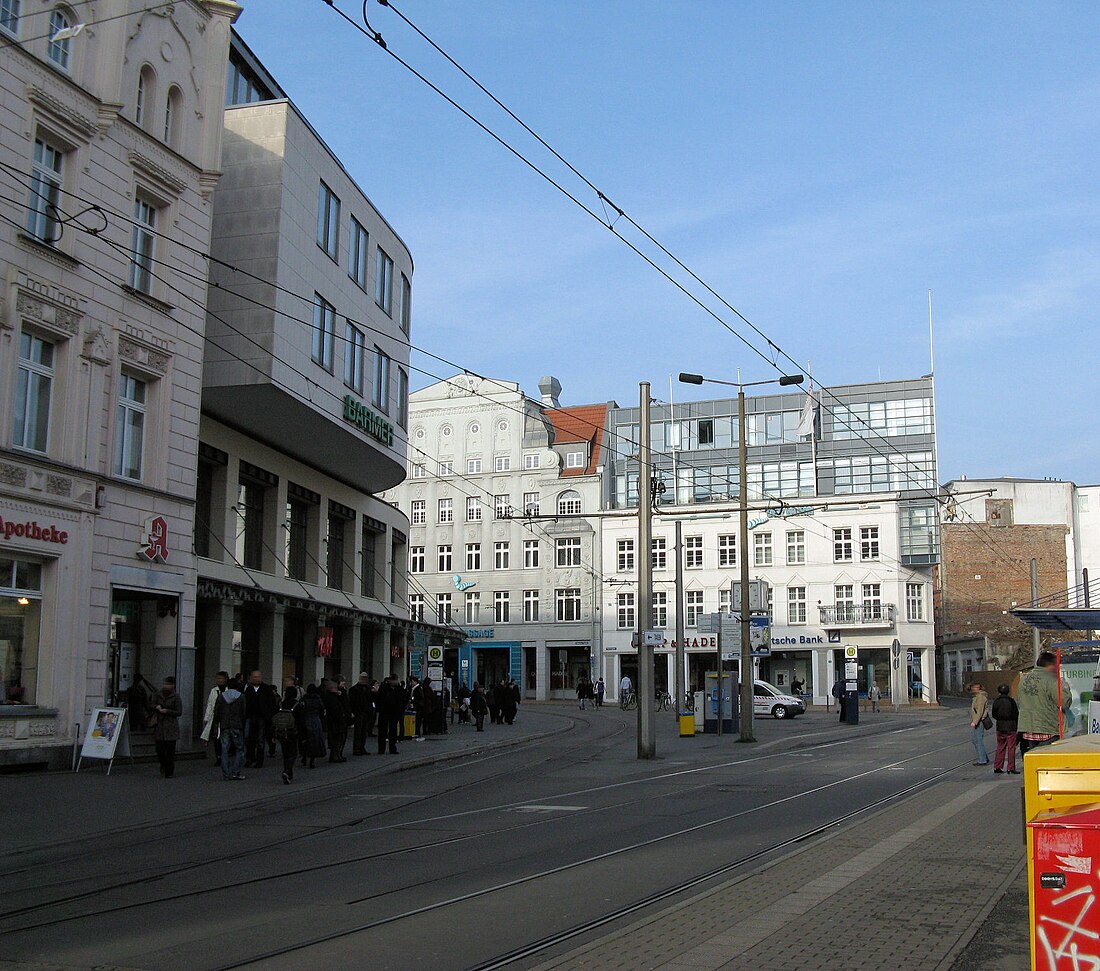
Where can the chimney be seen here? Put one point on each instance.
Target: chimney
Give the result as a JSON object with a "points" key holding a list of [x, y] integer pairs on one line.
{"points": [[551, 390]]}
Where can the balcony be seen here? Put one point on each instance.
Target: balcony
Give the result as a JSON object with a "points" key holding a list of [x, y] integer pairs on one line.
{"points": [[858, 615]]}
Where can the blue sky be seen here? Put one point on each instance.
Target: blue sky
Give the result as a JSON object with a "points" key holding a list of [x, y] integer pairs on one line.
{"points": [[821, 165]]}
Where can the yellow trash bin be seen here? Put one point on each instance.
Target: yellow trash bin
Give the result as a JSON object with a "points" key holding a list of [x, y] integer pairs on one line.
{"points": [[410, 724], [687, 726]]}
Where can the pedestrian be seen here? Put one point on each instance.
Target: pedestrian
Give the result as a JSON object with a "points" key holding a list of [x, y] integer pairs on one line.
{"points": [[796, 687], [978, 719], [479, 706], [292, 692], [876, 696], [361, 698], [625, 686], [229, 718], [284, 729], [510, 703], [601, 688], [407, 689], [1006, 713], [167, 707], [463, 697], [582, 691], [310, 716], [838, 693], [391, 706], [209, 729], [260, 704], [492, 703], [1040, 708], [336, 722], [423, 702]]}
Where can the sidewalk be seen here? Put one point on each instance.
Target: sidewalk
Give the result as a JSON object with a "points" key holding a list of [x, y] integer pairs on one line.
{"points": [[906, 888]]}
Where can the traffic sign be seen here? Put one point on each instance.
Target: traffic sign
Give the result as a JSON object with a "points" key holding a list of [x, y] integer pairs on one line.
{"points": [[851, 653], [435, 654], [653, 638]]}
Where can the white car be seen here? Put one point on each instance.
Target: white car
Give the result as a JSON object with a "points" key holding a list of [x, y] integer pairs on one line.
{"points": [[769, 700]]}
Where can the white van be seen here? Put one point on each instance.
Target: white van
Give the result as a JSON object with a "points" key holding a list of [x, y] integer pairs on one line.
{"points": [[769, 700]]}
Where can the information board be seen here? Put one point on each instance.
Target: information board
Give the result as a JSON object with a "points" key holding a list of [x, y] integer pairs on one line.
{"points": [[101, 740]]}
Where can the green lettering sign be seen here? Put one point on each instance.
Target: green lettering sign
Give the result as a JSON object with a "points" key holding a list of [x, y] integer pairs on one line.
{"points": [[359, 415]]}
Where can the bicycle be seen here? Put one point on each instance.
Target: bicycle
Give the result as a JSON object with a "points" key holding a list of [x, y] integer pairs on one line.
{"points": [[628, 700], [663, 701]]}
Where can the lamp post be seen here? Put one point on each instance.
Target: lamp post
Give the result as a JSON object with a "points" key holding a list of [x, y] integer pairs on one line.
{"points": [[746, 668]]}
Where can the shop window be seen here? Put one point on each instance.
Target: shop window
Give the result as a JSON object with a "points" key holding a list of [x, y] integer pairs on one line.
{"points": [[20, 621]]}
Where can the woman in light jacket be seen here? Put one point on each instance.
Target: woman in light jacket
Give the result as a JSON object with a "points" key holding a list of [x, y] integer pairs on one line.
{"points": [[978, 709]]}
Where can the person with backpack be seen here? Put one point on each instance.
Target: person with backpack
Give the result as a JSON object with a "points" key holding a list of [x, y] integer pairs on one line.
{"points": [[284, 729], [1006, 713], [229, 718]]}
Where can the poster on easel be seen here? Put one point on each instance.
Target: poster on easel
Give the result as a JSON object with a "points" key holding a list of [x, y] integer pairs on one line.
{"points": [[101, 741]]}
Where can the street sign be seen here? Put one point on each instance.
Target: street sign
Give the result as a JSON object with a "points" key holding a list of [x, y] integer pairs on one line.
{"points": [[910, 656], [435, 676], [653, 638], [851, 653], [435, 654], [896, 648]]}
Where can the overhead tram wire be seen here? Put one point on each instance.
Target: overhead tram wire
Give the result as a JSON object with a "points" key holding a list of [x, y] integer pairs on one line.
{"points": [[19, 41], [609, 224]]}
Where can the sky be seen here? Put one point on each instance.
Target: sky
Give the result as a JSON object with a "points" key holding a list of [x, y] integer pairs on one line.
{"points": [[821, 166]]}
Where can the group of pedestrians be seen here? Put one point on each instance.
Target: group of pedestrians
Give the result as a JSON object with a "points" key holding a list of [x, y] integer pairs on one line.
{"points": [[499, 701], [589, 691], [1038, 715]]}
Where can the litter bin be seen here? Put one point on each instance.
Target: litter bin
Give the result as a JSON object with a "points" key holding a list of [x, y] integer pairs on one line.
{"points": [[687, 724], [410, 724], [1062, 812]]}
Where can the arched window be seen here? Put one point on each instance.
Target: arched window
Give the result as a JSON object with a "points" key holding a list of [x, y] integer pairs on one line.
{"points": [[146, 92], [173, 116], [59, 52], [569, 503]]}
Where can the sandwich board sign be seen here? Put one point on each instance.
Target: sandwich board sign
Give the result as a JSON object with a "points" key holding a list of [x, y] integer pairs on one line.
{"points": [[101, 741]]}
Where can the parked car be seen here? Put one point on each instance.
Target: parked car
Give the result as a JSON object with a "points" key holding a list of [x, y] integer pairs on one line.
{"points": [[769, 700]]}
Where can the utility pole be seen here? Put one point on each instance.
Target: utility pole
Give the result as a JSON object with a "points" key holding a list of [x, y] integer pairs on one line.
{"points": [[678, 690], [647, 727], [746, 672], [1034, 597]]}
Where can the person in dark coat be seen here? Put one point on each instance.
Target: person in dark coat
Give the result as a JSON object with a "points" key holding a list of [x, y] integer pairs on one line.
{"points": [[583, 691], [229, 719], [463, 697], [310, 714], [284, 729], [479, 706], [1006, 713], [167, 707], [509, 703], [493, 703], [336, 722], [260, 704], [838, 693], [424, 705], [361, 698], [390, 702]]}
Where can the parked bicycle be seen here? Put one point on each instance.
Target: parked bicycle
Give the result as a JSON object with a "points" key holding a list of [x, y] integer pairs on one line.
{"points": [[628, 700], [663, 701]]}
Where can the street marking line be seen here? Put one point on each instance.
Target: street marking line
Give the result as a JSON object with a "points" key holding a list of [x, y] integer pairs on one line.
{"points": [[546, 809]]}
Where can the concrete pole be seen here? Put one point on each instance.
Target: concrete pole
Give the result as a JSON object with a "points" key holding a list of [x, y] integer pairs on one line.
{"points": [[647, 726], [678, 680], [1035, 596], [746, 672]]}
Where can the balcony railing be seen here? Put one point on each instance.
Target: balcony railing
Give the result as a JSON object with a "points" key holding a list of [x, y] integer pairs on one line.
{"points": [[858, 615]]}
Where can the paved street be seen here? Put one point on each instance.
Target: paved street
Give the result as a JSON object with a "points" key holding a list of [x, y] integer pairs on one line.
{"points": [[546, 844]]}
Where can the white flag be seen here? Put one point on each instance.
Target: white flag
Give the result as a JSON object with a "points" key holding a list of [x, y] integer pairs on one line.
{"points": [[809, 414]]}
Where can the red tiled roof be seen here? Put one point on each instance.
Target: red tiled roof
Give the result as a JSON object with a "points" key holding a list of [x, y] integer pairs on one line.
{"points": [[584, 423]]}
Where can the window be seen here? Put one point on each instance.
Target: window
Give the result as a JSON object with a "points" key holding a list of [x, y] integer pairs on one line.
{"points": [[446, 468], [502, 507], [844, 600], [249, 546], [530, 503], [444, 558], [20, 617], [625, 556], [59, 51], [530, 554], [473, 607], [842, 545], [204, 504], [473, 466], [328, 220], [334, 567], [9, 15], [383, 281], [34, 386], [693, 552], [142, 95], [567, 600], [419, 472], [569, 551], [173, 117], [872, 601], [574, 460], [473, 509], [443, 607], [625, 610], [416, 559], [446, 511], [868, 542], [660, 609], [43, 209], [504, 463], [473, 556], [530, 605], [406, 304], [796, 546], [416, 606], [694, 608], [354, 351], [402, 398], [142, 245], [130, 427], [727, 549], [532, 460], [569, 504], [381, 395], [419, 513], [659, 553], [762, 549], [501, 555], [914, 601], [725, 600], [796, 605], [357, 253], [501, 606], [706, 431], [324, 332]]}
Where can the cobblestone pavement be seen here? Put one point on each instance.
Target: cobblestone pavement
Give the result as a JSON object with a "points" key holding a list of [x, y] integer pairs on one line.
{"points": [[901, 889]]}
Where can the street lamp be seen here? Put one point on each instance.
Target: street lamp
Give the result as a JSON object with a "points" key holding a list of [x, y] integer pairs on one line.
{"points": [[742, 456]]}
